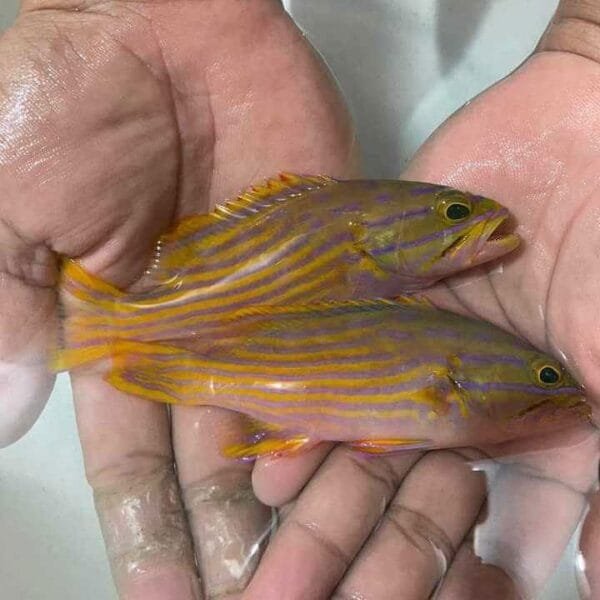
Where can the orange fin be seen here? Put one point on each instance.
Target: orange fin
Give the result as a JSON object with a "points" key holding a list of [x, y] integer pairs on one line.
{"points": [[264, 446], [387, 446], [251, 201], [415, 300], [277, 189]]}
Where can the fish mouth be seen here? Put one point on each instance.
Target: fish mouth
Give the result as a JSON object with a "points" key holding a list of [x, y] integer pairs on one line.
{"points": [[494, 240], [575, 405], [486, 240]]}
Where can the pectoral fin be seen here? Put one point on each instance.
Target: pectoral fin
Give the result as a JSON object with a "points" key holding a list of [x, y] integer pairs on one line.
{"points": [[267, 445]]}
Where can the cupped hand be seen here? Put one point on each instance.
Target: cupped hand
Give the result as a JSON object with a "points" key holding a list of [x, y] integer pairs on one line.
{"points": [[495, 520], [117, 117]]}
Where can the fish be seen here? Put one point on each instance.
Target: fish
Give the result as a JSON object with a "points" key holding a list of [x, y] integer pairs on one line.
{"points": [[295, 239], [378, 375]]}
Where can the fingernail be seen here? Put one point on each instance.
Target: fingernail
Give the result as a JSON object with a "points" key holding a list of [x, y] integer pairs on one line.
{"points": [[169, 585]]}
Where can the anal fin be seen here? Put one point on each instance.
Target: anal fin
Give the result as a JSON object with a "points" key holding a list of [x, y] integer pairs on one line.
{"points": [[417, 300], [387, 446]]}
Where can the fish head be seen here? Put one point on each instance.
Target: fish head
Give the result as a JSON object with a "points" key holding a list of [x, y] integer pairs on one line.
{"points": [[523, 391], [428, 236]]}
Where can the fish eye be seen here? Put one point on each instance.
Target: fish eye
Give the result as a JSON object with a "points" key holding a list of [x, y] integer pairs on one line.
{"points": [[548, 375], [458, 211], [454, 210]]}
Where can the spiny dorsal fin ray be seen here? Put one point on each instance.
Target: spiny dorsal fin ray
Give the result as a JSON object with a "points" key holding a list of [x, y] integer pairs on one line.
{"points": [[276, 189], [265, 195]]}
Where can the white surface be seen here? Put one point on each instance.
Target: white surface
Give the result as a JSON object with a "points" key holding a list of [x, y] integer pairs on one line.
{"points": [[404, 65], [8, 11]]}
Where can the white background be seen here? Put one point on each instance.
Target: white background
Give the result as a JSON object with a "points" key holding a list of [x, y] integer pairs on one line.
{"points": [[404, 65]]}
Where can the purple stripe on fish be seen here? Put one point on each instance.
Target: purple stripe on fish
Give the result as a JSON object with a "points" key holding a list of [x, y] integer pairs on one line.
{"points": [[426, 189], [261, 298], [436, 235], [265, 203], [517, 387], [244, 233], [492, 359], [362, 317], [278, 236], [346, 208], [269, 386], [206, 293], [263, 346], [238, 402], [399, 216], [169, 364]]}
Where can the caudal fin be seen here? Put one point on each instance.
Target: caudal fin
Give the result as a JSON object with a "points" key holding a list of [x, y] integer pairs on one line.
{"points": [[87, 329]]}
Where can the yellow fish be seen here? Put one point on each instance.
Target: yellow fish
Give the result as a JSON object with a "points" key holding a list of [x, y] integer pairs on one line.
{"points": [[380, 375], [294, 239]]}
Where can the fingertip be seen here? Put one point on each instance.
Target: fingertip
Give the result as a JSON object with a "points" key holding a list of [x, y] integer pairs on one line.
{"points": [[25, 390], [277, 481]]}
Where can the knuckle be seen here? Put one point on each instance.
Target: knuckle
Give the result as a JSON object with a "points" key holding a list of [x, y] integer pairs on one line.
{"points": [[321, 540], [230, 529], [379, 471], [143, 522], [422, 533], [575, 29], [226, 486]]}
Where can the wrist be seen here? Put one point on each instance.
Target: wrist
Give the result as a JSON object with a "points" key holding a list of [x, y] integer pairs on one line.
{"points": [[575, 28]]}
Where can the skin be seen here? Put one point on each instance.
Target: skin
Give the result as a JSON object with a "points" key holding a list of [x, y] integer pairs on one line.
{"points": [[190, 116]]}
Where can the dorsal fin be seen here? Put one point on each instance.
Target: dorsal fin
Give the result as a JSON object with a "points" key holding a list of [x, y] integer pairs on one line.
{"points": [[277, 189], [250, 202]]}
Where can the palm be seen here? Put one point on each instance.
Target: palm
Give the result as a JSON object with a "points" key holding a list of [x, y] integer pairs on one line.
{"points": [[153, 110]]}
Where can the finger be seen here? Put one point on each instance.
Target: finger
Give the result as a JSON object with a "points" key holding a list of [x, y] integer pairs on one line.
{"points": [[588, 571], [526, 492], [470, 578], [27, 321], [575, 29], [276, 481], [428, 518], [129, 464], [228, 523], [330, 521]]}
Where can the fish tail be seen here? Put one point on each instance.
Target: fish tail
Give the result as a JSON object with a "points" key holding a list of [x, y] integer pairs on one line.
{"points": [[87, 331]]}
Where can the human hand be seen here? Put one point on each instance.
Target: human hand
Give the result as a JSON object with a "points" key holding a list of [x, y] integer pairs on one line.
{"points": [[530, 142], [116, 118]]}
